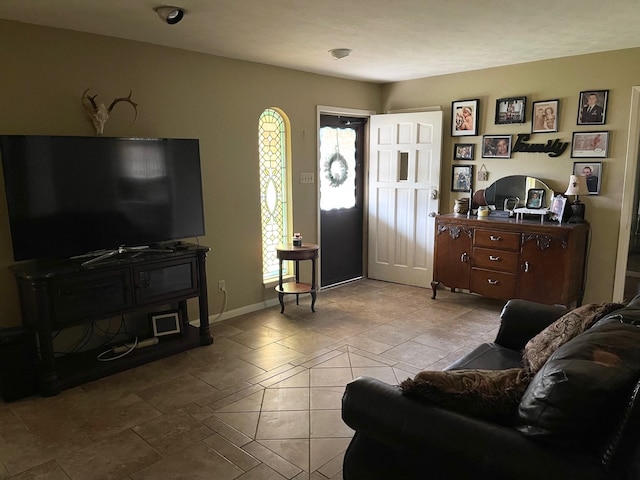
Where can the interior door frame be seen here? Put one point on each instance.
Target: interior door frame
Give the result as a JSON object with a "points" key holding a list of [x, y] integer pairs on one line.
{"points": [[628, 193], [328, 110]]}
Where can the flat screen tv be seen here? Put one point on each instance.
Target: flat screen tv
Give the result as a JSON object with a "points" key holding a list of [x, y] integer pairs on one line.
{"points": [[69, 196]]}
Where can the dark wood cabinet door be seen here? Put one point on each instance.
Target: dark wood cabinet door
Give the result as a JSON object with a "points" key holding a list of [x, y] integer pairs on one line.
{"points": [[543, 269], [452, 265]]}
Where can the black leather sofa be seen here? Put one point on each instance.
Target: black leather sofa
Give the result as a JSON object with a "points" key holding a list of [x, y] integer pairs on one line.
{"points": [[401, 437]]}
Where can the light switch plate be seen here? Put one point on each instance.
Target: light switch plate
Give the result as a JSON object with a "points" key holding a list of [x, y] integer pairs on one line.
{"points": [[308, 177]]}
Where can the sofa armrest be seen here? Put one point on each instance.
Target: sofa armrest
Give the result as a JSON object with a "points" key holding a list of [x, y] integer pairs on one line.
{"points": [[521, 320], [437, 436]]}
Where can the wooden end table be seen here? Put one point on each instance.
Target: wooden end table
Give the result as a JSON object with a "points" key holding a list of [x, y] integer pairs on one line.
{"points": [[308, 251]]}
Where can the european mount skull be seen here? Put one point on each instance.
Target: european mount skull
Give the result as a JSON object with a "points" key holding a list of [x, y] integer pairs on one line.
{"points": [[99, 113]]}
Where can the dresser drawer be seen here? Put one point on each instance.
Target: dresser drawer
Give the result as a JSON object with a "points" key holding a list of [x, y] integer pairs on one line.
{"points": [[497, 239], [493, 284], [492, 259]]}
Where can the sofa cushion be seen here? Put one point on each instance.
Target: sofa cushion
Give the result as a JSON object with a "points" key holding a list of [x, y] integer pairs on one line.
{"points": [[538, 350], [489, 394], [577, 396]]}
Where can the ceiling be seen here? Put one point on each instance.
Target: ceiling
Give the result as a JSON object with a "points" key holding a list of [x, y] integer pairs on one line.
{"points": [[392, 40]]}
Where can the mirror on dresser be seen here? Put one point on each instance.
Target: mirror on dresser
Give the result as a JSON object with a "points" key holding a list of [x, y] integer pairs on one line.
{"points": [[508, 193]]}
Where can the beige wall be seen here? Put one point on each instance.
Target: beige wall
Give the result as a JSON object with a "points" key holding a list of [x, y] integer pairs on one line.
{"points": [[561, 79], [186, 94], [180, 94]]}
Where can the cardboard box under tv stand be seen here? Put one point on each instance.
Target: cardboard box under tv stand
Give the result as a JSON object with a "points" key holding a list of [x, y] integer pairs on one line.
{"points": [[62, 294]]}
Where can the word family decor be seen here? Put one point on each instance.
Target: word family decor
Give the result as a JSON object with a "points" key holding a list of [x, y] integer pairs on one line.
{"points": [[554, 147]]}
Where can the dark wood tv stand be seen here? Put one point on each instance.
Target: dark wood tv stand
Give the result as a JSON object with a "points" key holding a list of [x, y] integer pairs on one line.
{"points": [[57, 295]]}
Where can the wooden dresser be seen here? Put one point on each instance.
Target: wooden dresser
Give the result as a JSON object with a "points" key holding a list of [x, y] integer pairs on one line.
{"points": [[505, 258]]}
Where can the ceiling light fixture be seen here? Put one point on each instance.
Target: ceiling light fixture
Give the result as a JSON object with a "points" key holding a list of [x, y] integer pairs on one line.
{"points": [[338, 53], [170, 15]]}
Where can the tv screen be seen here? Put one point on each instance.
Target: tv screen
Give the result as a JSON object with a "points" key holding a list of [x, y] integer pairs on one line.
{"points": [[69, 196]]}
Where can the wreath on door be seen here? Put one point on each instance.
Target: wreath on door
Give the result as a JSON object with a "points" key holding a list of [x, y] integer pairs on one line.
{"points": [[340, 176]]}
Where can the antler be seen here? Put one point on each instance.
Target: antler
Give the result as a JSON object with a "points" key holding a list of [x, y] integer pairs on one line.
{"points": [[91, 99], [125, 99]]}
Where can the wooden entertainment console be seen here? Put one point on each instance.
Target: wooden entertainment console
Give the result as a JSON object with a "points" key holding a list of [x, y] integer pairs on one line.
{"points": [[61, 294]]}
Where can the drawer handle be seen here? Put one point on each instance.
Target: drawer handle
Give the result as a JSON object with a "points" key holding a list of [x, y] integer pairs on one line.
{"points": [[526, 267], [492, 282], [463, 257], [494, 259], [493, 238]]}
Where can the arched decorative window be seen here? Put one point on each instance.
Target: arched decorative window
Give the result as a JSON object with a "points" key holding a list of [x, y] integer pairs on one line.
{"points": [[275, 188]]}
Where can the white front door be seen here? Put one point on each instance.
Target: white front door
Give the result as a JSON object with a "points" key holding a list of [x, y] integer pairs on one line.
{"points": [[404, 183]]}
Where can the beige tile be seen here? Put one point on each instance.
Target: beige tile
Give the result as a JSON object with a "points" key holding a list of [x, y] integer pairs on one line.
{"points": [[115, 457], [232, 452], [285, 399], [270, 356], [47, 471], [273, 460], [250, 403], [261, 472], [176, 393], [307, 342], [283, 424], [330, 377], [294, 451], [299, 380], [327, 455], [244, 422], [200, 461], [172, 432], [259, 337], [326, 398], [328, 424]]}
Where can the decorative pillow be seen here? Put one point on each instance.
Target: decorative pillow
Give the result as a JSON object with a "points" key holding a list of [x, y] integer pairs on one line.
{"points": [[538, 350], [490, 394], [579, 395]]}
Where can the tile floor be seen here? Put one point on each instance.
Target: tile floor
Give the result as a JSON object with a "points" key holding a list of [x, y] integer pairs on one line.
{"points": [[261, 403]]}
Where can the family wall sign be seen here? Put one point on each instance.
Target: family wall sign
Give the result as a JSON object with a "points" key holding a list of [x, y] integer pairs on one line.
{"points": [[554, 147]]}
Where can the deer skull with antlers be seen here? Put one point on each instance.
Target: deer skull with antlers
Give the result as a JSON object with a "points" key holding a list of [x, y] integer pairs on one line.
{"points": [[99, 113]]}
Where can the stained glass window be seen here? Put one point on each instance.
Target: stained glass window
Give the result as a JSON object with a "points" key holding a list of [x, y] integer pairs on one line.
{"points": [[274, 188]]}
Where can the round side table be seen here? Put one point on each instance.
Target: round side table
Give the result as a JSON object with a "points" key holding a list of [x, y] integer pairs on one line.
{"points": [[308, 251]]}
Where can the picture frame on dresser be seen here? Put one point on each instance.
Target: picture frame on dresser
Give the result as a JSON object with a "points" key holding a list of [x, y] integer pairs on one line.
{"points": [[558, 204], [535, 198]]}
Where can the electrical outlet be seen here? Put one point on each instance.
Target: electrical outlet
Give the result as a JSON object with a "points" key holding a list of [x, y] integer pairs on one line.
{"points": [[221, 286]]}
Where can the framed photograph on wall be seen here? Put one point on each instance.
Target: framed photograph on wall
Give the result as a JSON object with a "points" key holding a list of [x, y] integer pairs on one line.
{"points": [[593, 172], [461, 177], [464, 118], [496, 146], [590, 145], [592, 107], [464, 151], [510, 110], [544, 116]]}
